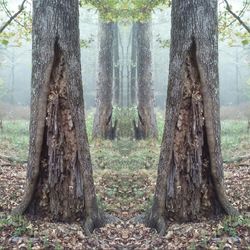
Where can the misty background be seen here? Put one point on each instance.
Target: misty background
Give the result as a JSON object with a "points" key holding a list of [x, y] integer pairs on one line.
{"points": [[234, 64]]}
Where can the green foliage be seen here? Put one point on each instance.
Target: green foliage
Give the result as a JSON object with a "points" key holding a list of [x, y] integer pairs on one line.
{"points": [[230, 29], [164, 43], [125, 10], [89, 124], [4, 42], [125, 154], [19, 29], [18, 225], [160, 117], [125, 117], [112, 10], [230, 225], [85, 43]]}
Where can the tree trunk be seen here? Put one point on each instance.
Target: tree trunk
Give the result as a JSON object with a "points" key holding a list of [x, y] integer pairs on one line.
{"points": [[147, 126], [128, 68], [103, 117], [121, 70], [190, 171], [59, 178], [116, 66], [133, 65]]}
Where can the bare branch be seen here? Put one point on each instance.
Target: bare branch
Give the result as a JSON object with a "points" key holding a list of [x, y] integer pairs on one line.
{"points": [[240, 14], [4, 4], [237, 17], [21, 8]]}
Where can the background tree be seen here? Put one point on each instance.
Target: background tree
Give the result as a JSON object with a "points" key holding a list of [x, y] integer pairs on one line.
{"points": [[59, 177], [102, 127], [116, 65], [133, 69], [190, 170], [147, 126]]}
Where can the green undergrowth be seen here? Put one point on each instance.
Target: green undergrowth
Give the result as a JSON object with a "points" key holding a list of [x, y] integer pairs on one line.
{"points": [[232, 225], [235, 139], [14, 139], [125, 193], [16, 225], [124, 153]]}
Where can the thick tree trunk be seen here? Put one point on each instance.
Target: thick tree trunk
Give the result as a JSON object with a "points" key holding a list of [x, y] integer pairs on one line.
{"points": [[133, 77], [147, 127], [190, 171], [103, 117], [59, 178], [116, 66]]}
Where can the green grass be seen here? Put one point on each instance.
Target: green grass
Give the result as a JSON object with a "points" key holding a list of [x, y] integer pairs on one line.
{"points": [[230, 225], [18, 225], [125, 153], [235, 140], [89, 124], [14, 139]]}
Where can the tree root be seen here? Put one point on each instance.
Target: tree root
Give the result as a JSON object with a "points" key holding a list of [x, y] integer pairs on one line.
{"points": [[111, 219], [139, 219], [225, 203], [157, 222], [97, 221]]}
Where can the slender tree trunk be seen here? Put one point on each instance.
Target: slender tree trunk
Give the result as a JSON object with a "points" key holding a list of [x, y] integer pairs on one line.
{"points": [[190, 171], [128, 67], [121, 70], [147, 126], [133, 72], [103, 117], [59, 177], [116, 66], [128, 86]]}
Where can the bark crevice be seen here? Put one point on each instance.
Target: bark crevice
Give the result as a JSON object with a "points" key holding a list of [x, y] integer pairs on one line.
{"points": [[190, 190]]}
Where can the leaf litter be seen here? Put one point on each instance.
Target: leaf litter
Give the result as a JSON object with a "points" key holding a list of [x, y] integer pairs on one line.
{"points": [[124, 195]]}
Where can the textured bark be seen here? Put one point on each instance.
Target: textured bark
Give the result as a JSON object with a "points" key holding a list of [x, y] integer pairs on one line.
{"points": [[59, 178], [146, 116], [133, 72], [116, 65], [103, 117], [190, 171]]}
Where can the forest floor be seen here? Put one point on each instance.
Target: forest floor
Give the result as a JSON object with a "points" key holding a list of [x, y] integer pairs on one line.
{"points": [[125, 173]]}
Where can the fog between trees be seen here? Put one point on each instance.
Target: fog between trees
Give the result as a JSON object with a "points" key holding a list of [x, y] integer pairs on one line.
{"points": [[15, 70]]}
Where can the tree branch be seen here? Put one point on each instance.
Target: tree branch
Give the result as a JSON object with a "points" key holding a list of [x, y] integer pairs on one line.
{"points": [[228, 8], [9, 14], [21, 8], [240, 14]]}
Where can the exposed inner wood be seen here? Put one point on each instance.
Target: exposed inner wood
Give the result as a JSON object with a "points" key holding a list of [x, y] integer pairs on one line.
{"points": [[60, 187], [190, 189]]}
